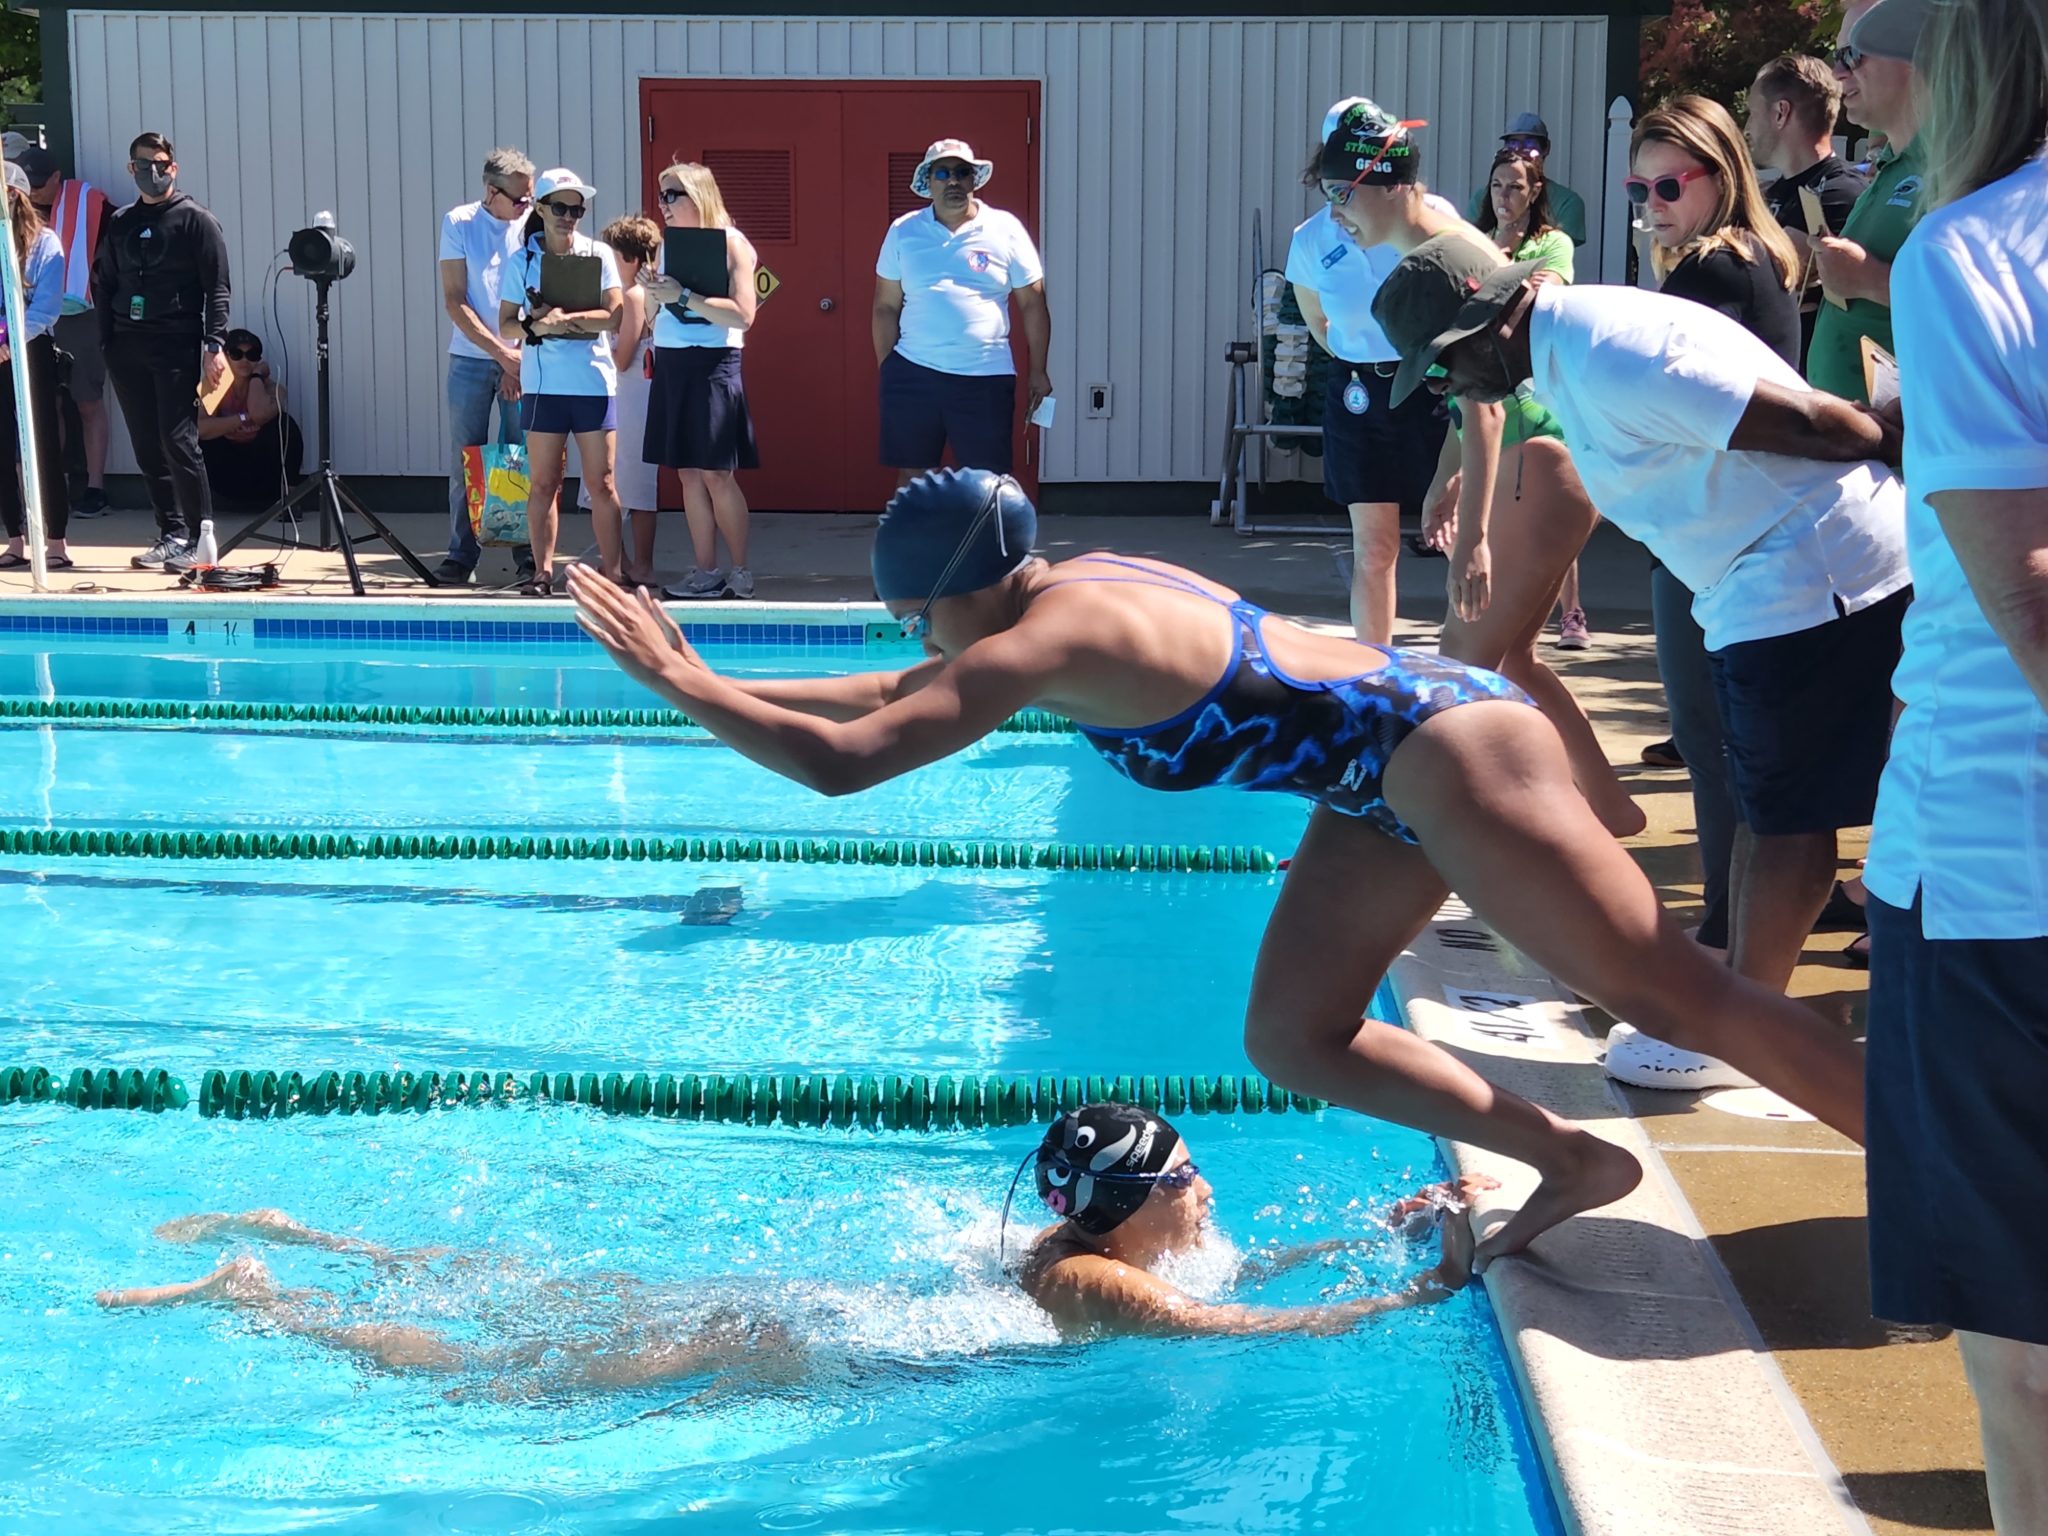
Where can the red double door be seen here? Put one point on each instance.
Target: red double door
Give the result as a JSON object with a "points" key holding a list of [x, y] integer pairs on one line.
{"points": [[813, 173]]}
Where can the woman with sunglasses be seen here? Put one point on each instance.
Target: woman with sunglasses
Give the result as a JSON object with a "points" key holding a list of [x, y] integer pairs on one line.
{"points": [[697, 418], [567, 379], [39, 261], [1504, 484], [245, 436], [1716, 242], [1128, 1199], [1426, 775]]}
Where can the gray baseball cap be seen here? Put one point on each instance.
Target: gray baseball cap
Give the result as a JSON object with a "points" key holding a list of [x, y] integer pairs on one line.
{"points": [[1442, 292], [1891, 30]]}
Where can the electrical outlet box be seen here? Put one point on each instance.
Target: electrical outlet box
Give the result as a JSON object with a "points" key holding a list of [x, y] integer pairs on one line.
{"points": [[1096, 404]]}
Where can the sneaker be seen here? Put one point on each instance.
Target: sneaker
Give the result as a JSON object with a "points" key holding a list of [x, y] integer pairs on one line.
{"points": [[186, 559], [739, 581], [1571, 631], [158, 554], [699, 583], [90, 502], [1644, 1062], [1663, 754], [453, 574]]}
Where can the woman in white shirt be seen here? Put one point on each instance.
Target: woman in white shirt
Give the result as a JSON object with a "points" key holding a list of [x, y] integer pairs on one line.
{"points": [[40, 256], [636, 246], [1958, 868], [697, 420], [567, 379]]}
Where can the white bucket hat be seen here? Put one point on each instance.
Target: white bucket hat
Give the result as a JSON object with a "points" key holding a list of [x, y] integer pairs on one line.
{"points": [[950, 149], [562, 179]]}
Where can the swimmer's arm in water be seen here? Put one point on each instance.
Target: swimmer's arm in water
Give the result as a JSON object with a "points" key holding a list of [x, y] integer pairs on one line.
{"points": [[965, 698]]}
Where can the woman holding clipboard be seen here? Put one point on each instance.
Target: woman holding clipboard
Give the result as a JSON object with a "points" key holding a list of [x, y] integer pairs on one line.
{"points": [[567, 379], [697, 421]]}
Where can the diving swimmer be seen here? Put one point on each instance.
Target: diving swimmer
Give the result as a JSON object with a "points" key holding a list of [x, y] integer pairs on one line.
{"points": [[1426, 776]]}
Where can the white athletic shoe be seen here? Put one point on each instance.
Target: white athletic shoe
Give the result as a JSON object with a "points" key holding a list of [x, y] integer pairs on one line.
{"points": [[739, 582], [1642, 1061], [699, 583]]}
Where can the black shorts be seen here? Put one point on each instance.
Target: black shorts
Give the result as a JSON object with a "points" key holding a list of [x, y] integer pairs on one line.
{"points": [[924, 411], [1808, 718], [1387, 452], [1957, 1161], [567, 415], [697, 414]]}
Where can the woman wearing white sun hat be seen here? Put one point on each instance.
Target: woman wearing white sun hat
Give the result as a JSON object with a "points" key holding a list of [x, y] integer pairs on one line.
{"points": [[943, 282]]}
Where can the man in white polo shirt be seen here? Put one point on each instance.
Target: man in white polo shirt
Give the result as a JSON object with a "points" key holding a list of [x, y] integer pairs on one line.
{"points": [[943, 285], [1769, 499]]}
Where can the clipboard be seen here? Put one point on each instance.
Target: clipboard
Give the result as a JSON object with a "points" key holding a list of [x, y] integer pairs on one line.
{"points": [[1880, 374], [697, 259], [210, 399], [1817, 226], [571, 283]]}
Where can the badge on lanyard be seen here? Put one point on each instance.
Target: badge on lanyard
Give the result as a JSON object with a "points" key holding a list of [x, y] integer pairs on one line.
{"points": [[1355, 398]]}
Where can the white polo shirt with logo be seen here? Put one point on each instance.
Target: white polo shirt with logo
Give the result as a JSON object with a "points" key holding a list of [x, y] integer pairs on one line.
{"points": [[956, 288], [1649, 389]]}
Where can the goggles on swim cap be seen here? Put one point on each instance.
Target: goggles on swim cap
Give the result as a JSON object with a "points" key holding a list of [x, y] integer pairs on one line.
{"points": [[1098, 1164], [947, 512], [919, 624]]}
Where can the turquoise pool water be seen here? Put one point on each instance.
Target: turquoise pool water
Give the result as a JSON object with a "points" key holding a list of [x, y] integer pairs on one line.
{"points": [[925, 1395]]}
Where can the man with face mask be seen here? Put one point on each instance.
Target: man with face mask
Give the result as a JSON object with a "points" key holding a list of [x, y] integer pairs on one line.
{"points": [[160, 287], [1767, 498]]}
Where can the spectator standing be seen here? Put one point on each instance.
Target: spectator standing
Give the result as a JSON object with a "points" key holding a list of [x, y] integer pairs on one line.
{"points": [[1714, 242], [160, 277], [252, 447], [1528, 134], [1794, 104], [1377, 461], [39, 257], [567, 379], [1856, 266], [1765, 498], [477, 239], [697, 418], [1958, 909], [943, 285], [76, 211], [636, 247]]}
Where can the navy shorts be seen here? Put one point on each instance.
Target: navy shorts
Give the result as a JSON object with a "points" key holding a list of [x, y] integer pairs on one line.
{"points": [[924, 411], [1387, 453], [1957, 1161], [566, 414], [1808, 719]]}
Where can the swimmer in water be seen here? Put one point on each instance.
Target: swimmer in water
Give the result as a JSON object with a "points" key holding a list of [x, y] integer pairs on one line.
{"points": [[1129, 1196], [640, 1343], [1426, 775]]}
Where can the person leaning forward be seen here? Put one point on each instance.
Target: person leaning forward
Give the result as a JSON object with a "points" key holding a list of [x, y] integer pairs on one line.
{"points": [[942, 321], [160, 287]]}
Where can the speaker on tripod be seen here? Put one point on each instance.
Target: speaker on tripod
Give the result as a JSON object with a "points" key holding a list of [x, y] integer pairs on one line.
{"points": [[321, 255]]}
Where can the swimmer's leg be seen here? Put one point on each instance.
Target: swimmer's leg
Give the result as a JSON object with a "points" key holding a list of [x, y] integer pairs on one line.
{"points": [[724, 1344], [270, 1225], [1540, 521], [1353, 899], [1487, 788], [245, 1284]]}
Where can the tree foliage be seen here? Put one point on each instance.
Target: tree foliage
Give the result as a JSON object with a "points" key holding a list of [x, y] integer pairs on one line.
{"points": [[21, 57], [1714, 47]]}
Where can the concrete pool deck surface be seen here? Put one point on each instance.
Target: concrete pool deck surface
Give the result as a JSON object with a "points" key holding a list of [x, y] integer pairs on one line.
{"points": [[1718, 1445]]}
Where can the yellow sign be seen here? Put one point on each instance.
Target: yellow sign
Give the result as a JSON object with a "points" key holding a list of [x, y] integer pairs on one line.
{"points": [[765, 283]]}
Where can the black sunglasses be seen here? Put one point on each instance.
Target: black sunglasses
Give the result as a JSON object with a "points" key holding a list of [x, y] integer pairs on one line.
{"points": [[1848, 58], [246, 354], [570, 211], [516, 202], [670, 196], [152, 165]]}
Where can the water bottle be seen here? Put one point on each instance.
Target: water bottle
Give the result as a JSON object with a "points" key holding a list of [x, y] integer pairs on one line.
{"points": [[206, 551]]}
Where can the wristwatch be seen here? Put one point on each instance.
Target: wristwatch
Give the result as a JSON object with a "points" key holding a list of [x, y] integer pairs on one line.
{"points": [[526, 325]]}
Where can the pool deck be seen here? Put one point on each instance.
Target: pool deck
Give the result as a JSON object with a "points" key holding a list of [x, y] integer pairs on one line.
{"points": [[1762, 1377]]}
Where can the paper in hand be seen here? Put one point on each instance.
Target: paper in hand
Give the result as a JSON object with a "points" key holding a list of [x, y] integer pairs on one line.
{"points": [[1817, 226], [1880, 375], [1042, 416]]}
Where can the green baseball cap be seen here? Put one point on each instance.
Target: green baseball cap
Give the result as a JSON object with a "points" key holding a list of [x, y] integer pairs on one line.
{"points": [[1443, 291]]}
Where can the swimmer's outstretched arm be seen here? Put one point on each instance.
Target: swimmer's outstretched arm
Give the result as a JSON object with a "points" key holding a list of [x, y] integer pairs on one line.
{"points": [[1088, 1293], [838, 698], [1452, 1195], [963, 699], [271, 1225]]}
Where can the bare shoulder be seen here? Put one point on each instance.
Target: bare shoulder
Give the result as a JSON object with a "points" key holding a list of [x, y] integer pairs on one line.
{"points": [[1085, 1292], [739, 245]]}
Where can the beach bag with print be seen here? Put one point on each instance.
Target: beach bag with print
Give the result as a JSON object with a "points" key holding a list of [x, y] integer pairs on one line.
{"points": [[494, 477]]}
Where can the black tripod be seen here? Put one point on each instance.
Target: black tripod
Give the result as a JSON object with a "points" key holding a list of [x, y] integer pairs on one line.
{"points": [[336, 500]]}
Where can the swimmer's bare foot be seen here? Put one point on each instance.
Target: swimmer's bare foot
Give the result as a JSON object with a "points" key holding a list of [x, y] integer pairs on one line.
{"points": [[1599, 1174], [242, 1279], [268, 1223]]}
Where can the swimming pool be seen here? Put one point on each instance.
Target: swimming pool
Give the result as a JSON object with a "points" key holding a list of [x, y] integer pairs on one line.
{"points": [[929, 1394]]}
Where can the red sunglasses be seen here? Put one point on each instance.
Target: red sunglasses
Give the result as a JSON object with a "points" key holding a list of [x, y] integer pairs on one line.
{"points": [[1666, 189]]}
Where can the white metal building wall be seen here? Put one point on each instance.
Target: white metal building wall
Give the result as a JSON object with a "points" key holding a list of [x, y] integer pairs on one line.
{"points": [[1159, 138]]}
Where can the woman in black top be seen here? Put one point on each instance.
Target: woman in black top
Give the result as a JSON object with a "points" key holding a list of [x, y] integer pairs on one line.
{"points": [[1716, 241], [1717, 244]]}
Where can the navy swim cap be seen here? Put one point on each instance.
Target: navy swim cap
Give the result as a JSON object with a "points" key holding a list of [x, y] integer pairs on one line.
{"points": [[1094, 1161], [1363, 141], [952, 531]]}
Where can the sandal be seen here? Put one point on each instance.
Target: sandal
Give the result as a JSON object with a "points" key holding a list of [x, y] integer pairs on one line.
{"points": [[1858, 953], [60, 562], [13, 562], [537, 585]]}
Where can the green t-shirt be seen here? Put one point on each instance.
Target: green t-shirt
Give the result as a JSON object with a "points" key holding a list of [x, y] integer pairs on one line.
{"points": [[1882, 218], [1552, 249], [1566, 206]]}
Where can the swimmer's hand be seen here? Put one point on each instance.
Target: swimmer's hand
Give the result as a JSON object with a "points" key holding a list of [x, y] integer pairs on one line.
{"points": [[642, 638], [1470, 582]]}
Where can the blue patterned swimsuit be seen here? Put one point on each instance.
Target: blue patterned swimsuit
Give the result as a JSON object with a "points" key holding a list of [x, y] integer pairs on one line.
{"points": [[1258, 728]]}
